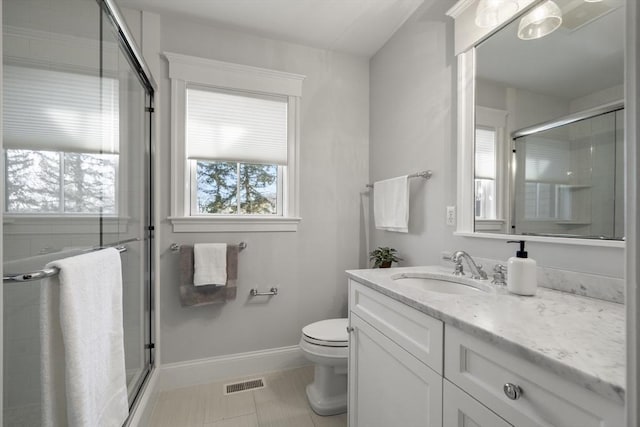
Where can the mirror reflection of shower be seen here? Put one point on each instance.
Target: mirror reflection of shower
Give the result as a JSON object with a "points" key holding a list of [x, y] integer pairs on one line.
{"points": [[569, 179]]}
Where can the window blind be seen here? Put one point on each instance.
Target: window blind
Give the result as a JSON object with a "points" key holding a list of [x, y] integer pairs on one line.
{"points": [[52, 110], [224, 126], [485, 153]]}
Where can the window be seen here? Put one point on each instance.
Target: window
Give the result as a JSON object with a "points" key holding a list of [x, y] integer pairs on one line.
{"points": [[485, 179], [53, 182], [237, 149], [234, 146], [490, 167], [61, 141]]}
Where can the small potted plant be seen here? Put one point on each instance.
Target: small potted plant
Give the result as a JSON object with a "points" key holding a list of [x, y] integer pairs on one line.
{"points": [[383, 257]]}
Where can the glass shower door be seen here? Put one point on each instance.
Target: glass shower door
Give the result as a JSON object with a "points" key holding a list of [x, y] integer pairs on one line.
{"points": [[76, 153], [134, 114]]}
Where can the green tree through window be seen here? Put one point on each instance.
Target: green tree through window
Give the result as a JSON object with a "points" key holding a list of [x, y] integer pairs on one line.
{"points": [[236, 188]]}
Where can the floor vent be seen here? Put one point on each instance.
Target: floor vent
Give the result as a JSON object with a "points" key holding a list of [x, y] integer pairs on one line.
{"points": [[247, 385]]}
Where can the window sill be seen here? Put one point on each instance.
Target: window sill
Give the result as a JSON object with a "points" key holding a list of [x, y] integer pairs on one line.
{"points": [[489, 224], [232, 224]]}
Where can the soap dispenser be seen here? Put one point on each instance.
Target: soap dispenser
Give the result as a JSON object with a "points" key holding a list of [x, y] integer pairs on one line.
{"points": [[521, 272]]}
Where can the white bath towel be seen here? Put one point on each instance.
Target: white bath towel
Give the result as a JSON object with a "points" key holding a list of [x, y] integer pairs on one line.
{"points": [[82, 342], [210, 264], [391, 204]]}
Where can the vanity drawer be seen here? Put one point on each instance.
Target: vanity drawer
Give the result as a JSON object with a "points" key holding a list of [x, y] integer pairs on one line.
{"points": [[482, 370], [417, 333]]}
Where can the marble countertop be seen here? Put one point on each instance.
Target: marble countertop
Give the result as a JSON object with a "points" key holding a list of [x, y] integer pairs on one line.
{"points": [[578, 338]]}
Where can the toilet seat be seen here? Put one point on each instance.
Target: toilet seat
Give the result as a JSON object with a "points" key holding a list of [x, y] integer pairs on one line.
{"points": [[327, 333]]}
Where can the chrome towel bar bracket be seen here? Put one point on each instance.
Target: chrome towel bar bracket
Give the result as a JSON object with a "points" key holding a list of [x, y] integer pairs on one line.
{"points": [[255, 293]]}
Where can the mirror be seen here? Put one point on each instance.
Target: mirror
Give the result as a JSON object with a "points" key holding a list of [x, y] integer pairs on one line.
{"points": [[549, 130]]}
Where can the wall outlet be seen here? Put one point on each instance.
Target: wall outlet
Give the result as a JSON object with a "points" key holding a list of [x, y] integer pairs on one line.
{"points": [[451, 215]]}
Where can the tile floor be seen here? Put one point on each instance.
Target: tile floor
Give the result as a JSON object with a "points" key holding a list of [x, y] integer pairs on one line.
{"points": [[282, 403]]}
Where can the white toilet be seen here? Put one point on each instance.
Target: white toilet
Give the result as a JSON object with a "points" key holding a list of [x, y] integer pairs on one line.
{"points": [[326, 343]]}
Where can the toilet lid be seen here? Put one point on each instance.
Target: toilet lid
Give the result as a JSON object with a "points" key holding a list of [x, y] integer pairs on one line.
{"points": [[330, 330]]}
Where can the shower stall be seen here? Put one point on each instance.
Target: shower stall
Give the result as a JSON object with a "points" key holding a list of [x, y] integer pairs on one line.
{"points": [[77, 103]]}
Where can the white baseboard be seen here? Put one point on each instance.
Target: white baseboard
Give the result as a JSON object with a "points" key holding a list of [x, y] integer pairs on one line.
{"points": [[144, 408], [214, 369]]}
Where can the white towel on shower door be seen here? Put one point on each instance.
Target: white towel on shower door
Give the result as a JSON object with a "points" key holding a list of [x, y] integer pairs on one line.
{"points": [[391, 204], [82, 342]]}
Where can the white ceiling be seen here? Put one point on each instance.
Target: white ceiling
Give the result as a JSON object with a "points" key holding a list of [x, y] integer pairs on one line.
{"points": [[358, 27]]}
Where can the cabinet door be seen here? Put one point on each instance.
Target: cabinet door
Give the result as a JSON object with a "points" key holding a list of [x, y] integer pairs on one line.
{"points": [[461, 410], [387, 385], [481, 369]]}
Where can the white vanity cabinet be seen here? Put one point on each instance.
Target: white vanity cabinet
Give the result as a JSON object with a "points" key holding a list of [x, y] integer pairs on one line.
{"points": [[391, 382], [543, 398], [409, 369]]}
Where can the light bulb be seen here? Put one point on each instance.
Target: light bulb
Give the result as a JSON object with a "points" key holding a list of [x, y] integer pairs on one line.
{"points": [[541, 21]]}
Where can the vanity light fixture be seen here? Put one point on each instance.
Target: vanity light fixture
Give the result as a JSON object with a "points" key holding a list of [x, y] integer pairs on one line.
{"points": [[541, 21], [593, 1], [490, 13]]}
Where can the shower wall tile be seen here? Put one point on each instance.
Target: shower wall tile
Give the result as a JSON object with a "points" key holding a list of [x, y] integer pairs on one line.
{"points": [[16, 248], [21, 316]]}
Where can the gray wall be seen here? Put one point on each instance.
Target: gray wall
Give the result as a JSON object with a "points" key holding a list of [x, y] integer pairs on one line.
{"points": [[404, 100], [412, 116], [308, 265]]}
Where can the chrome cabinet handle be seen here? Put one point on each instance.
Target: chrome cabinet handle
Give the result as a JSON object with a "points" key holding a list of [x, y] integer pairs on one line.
{"points": [[349, 329], [512, 391]]}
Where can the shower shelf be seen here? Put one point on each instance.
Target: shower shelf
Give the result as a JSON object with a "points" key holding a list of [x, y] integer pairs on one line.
{"points": [[573, 222], [574, 186]]}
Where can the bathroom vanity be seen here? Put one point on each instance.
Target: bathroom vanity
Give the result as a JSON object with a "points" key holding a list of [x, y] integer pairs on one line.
{"points": [[421, 357]]}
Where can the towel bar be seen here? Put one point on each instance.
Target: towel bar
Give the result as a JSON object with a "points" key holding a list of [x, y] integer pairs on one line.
{"points": [[175, 248], [423, 174], [254, 292], [50, 272]]}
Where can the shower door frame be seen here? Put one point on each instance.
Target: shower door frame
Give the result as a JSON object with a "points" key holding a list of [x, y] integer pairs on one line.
{"points": [[139, 65]]}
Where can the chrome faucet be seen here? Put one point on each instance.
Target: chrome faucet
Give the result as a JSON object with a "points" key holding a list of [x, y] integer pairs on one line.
{"points": [[477, 272], [499, 275]]}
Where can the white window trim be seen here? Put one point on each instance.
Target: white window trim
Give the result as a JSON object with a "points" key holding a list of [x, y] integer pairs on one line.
{"points": [[185, 70], [497, 120]]}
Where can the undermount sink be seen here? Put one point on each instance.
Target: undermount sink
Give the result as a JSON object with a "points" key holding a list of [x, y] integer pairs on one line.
{"points": [[429, 283]]}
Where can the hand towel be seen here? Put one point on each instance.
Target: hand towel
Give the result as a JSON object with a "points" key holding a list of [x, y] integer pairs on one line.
{"points": [[194, 296], [391, 204], [210, 264], [82, 342]]}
